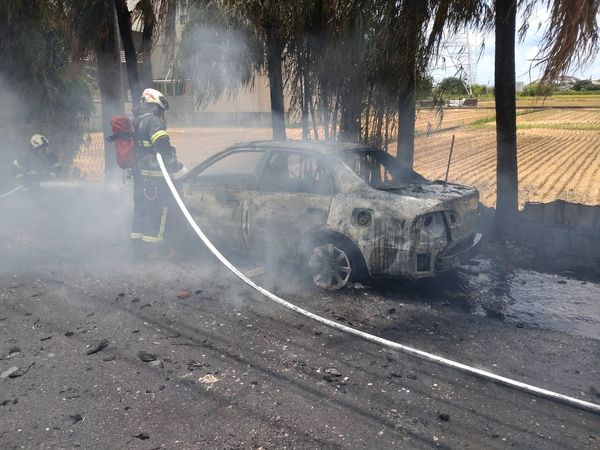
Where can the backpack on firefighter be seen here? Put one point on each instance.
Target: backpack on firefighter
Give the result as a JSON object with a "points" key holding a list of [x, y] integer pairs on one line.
{"points": [[124, 141]]}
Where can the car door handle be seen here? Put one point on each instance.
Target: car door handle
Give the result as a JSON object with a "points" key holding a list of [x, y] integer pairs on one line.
{"points": [[315, 211]]}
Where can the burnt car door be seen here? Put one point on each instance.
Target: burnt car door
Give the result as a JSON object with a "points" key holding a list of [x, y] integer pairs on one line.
{"points": [[214, 193], [293, 196]]}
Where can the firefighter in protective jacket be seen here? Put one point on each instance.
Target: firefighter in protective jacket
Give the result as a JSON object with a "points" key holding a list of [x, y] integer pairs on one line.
{"points": [[151, 195], [37, 163]]}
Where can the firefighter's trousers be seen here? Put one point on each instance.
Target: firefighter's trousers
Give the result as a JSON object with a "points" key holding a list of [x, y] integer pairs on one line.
{"points": [[151, 200]]}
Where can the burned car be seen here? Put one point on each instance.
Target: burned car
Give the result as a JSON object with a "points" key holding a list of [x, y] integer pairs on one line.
{"points": [[343, 211]]}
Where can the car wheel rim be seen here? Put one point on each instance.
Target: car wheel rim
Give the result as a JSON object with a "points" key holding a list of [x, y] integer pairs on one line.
{"points": [[330, 267]]}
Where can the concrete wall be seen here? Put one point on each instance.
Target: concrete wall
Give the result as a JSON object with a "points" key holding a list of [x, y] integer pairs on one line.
{"points": [[563, 227]]}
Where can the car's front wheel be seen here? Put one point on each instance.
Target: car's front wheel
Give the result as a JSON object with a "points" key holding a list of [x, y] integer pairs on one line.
{"points": [[333, 265]]}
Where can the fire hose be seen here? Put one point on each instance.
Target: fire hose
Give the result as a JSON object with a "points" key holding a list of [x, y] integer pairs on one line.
{"points": [[12, 191], [540, 392]]}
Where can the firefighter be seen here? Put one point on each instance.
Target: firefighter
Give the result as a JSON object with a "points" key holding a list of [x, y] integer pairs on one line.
{"points": [[151, 195], [37, 163]]}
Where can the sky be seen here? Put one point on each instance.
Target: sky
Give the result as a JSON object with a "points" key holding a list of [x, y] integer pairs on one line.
{"points": [[525, 52]]}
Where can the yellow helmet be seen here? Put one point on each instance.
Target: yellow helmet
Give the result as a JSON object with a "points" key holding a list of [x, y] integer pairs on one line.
{"points": [[156, 97]]}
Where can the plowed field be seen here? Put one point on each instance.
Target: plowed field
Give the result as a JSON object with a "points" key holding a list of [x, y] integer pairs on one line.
{"points": [[558, 151], [553, 164]]}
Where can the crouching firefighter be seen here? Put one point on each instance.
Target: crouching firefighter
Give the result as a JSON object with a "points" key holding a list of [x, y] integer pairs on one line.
{"points": [[151, 194], [36, 164]]}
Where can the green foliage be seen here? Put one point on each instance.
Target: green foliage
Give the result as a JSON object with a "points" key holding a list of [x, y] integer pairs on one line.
{"points": [[452, 86], [424, 87], [44, 94], [537, 90], [585, 86], [480, 90], [483, 120], [577, 93]]}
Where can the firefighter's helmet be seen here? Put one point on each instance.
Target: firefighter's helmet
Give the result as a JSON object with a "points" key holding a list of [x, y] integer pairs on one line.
{"points": [[38, 141], [156, 97]]}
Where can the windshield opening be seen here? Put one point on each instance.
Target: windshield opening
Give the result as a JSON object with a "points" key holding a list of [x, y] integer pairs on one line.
{"points": [[380, 169]]}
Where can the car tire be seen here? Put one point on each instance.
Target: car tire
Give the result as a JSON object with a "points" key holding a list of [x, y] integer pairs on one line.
{"points": [[333, 263]]}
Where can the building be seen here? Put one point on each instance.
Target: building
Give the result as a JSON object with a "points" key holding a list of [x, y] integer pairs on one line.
{"points": [[249, 107]]}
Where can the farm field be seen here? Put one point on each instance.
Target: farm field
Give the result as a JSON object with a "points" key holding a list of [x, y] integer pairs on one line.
{"points": [[553, 164], [559, 152], [562, 101]]}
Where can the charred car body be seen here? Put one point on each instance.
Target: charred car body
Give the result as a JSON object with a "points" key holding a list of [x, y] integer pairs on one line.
{"points": [[345, 211]]}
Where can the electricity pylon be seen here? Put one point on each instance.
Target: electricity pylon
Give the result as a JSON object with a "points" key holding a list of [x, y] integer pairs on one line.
{"points": [[455, 54]]}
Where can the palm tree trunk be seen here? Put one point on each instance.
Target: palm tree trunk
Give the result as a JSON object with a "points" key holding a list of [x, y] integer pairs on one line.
{"points": [[274, 50], [350, 113], [368, 113], [124, 19], [313, 118], [406, 118], [334, 120], [325, 111], [146, 76], [507, 180], [305, 132], [111, 86]]}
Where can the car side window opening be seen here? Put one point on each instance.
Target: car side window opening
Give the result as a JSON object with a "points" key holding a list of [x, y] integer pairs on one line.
{"points": [[380, 169], [235, 170], [294, 172]]}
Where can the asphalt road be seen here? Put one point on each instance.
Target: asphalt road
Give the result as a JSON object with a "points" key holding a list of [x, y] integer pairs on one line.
{"points": [[224, 368]]}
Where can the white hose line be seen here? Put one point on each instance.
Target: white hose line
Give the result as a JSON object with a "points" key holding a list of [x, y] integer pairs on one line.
{"points": [[591, 407], [12, 191]]}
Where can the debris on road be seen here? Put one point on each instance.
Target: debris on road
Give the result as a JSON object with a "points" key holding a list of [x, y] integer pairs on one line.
{"points": [[208, 379], [11, 352], [183, 294], [76, 418], [9, 372], [101, 345], [15, 372], [142, 436], [331, 374], [146, 356]]}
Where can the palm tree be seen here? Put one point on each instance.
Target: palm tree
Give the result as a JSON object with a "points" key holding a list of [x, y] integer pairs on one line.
{"points": [[507, 179], [93, 29], [125, 31], [227, 41], [571, 37], [41, 91], [157, 19]]}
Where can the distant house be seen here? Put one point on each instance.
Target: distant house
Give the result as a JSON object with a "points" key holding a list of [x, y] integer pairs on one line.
{"points": [[566, 83]]}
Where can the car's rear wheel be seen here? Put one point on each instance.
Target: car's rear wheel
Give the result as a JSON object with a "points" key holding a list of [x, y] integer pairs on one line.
{"points": [[333, 265]]}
